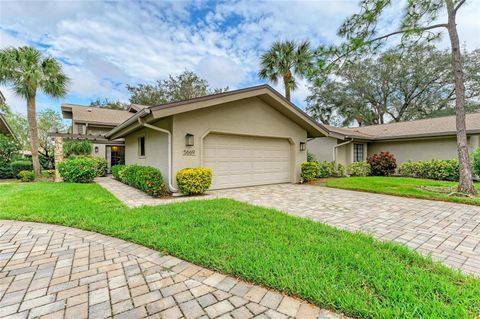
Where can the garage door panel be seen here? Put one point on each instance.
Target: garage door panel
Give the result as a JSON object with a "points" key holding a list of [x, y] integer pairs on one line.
{"points": [[246, 161]]}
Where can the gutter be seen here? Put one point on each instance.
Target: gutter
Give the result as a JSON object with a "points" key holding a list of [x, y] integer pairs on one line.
{"points": [[337, 146], [128, 122], [169, 134]]}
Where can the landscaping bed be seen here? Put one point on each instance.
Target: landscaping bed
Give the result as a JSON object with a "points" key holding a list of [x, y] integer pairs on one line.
{"points": [[404, 186], [349, 272]]}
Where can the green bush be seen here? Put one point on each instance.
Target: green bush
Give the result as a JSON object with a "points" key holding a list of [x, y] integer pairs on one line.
{"points": [[382, 164], [330, 169], [5, 170], [77, 148], [309, 171], [8, 148], [145, 178], [444, 170], [117, 171], [358, 169], [49, 173], [77, 170], [311, 157], [192, 181], [101, 164], [21, 165], [26, 176], [476, 162]]}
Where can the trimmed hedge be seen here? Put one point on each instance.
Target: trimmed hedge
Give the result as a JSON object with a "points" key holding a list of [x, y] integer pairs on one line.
{"points": [[117, 170], [21, 165], [358, 169], [193, 181], [444, 170], [330, 169], [26, 176], [78, 170], [476, 162], [145, 178], [309, 171], [5, 170], [382, 164]]}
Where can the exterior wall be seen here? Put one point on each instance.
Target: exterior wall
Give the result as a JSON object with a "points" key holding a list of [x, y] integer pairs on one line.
{"points": [[101, 150], [427, 149], [248, 117], [156, 147], [322, 148]]}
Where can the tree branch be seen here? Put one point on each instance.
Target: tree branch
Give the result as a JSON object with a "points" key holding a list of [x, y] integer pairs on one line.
{"points": [[459, 5], [435, 26]]}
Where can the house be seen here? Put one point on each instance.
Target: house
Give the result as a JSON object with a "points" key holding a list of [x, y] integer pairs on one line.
{"points": [[251, 136], [414, 140], [92, 123]]}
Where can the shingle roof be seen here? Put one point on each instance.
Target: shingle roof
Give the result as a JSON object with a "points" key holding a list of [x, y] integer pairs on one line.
{"points": [[439, 126], [96, 115]]}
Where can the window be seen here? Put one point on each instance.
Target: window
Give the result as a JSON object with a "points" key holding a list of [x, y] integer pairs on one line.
{"points": [[357, 152], [141, 146], [80, 129]]}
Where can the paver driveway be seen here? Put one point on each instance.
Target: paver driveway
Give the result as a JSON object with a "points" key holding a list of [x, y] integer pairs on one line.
{"points": [[449, 231], [61, 272]]}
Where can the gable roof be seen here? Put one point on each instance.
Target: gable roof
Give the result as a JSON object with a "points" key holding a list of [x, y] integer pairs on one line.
{"points": [[5, 127], [94, 115], [264, 92], [440, 126]]}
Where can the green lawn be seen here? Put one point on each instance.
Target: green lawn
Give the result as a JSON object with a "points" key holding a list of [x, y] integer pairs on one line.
{"points": [[348, 272], [404, 186]]}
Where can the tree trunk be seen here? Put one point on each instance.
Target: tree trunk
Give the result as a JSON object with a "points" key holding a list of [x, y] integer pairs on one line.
{"points": [[465, 184], [33, 133], [286, 83]]}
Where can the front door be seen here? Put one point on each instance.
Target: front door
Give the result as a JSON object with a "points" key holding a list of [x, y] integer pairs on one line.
{"points": [[115, 156]]}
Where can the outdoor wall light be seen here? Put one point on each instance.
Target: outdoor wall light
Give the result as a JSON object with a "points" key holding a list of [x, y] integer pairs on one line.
{"points": [[96, 149], [189, 139], [303, 146]]}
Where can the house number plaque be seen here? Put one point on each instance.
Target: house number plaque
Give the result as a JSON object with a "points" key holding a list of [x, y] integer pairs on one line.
{"points": [[189, 152]]}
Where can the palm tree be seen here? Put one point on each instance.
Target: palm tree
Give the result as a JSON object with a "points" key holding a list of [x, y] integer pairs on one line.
{"points": [[26, 70], [285, 60]]}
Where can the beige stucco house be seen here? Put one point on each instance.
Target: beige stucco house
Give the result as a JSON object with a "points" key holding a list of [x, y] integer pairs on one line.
{"points": [[247, 137], [414, 140]]}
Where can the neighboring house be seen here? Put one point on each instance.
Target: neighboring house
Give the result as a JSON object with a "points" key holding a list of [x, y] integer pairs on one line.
{"points": [[5, 128], [414, 140], [92, 123], [252, 136]]}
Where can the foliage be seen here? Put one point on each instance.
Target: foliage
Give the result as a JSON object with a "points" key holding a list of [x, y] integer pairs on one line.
{"points": [[5, 170], [101, 165], [26, 176], [8, 148], [330, 169], [117, 171], [20, 165], [108, 104], [286, 60], [49, 121], [358, 169], [311, 157], [309, 171], [27, 71], [444, 170], [401, 84], [476, 161], [82, 147], [77, 170], [184, 86], [145, 178], [382, 164], [49, 173], [348, 272], [193, 181]]}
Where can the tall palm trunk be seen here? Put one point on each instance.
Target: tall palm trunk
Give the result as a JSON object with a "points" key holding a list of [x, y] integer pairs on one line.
{"points": [[33, 133], [287, 77], [465, 184]]}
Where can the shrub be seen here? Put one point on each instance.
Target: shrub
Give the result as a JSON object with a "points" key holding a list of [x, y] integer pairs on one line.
{"points": [[382, 164], [8, 148], [21, 165], [145, 178], [77, 148], [309, 171], [117, 170], [77, 170], [476, 162], [338, 170], [445, 170], [192, 181], [329, 169], [26, 176], [5, 170], [101, 164], [311, 157], [358, 169], [49, 173]]}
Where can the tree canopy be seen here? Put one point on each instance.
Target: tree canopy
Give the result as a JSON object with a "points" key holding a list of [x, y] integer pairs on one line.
{"points": [[184, 86]]}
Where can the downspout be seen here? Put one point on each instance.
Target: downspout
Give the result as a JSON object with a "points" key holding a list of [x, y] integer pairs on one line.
{"points": [[337, 146], [169, 134]]}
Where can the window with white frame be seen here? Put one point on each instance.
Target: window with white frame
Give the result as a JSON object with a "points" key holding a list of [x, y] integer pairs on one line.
{"points": [[357, 152]]}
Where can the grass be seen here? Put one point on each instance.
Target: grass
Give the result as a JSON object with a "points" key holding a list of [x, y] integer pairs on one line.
{"points": [[404, 186], [348, 272]]}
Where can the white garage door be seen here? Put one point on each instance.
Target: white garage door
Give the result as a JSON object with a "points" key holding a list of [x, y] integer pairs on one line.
{"points": [[246, 161]]}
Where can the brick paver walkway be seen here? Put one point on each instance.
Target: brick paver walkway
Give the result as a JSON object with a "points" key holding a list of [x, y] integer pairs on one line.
{"points": [[59, 272]]}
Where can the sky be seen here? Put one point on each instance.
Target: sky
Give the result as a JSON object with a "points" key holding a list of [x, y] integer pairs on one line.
{"points": [[105, 45]]}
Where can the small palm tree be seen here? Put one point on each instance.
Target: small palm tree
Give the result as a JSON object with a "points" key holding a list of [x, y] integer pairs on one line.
{"points": [[285, 60], [27, 71]]}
